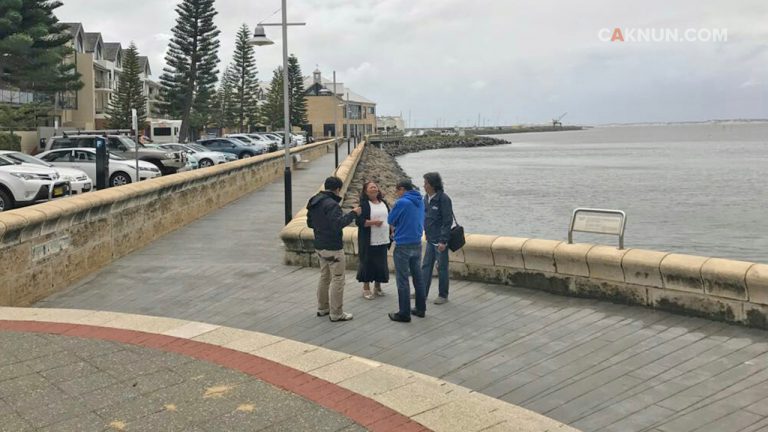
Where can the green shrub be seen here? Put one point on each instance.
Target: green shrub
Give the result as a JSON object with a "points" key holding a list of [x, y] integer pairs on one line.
{"points": [[10, 142]]}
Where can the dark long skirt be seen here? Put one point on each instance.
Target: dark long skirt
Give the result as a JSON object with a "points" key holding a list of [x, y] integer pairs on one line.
{"points": [[375, 267]]}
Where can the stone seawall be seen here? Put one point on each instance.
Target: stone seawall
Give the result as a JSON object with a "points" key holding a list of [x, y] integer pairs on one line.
{"points": [[417, 144], [719, 289], [46, 247]]}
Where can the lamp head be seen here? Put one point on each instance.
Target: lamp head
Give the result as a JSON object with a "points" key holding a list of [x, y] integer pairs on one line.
{"points": [[259, 37]]}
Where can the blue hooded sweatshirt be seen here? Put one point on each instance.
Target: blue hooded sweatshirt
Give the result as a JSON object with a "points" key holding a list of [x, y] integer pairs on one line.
{"points": [[407, 216]]}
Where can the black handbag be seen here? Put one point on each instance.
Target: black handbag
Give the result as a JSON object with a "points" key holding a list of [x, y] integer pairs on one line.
{"points": [[456, 240]]}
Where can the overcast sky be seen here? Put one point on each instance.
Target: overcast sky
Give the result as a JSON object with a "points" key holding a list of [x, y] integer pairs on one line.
{"points": [[508, 61]]}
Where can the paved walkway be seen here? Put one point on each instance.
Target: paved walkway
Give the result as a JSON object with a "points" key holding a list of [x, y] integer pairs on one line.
{"points": [[51, 382], [593, 365]]}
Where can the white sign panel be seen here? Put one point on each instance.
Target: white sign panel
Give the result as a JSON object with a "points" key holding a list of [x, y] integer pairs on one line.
{"points": [[598, 223]]}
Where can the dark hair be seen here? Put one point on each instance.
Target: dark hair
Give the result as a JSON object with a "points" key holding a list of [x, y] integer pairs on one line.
{"points": [[364, 194], [333, 183], [406, 184], [434, 180]]}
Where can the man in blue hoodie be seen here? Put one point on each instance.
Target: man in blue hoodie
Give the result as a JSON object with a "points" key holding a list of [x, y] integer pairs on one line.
{"points": [[407, 219]]}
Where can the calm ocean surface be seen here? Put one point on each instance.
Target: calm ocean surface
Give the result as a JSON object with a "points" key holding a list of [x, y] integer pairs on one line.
{"points": [[695, 189]]}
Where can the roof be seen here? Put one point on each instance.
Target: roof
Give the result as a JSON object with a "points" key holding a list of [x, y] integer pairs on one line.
{"points": [[111, 50], [144, 64], [73, 28], [91, 39], [341, 90]]}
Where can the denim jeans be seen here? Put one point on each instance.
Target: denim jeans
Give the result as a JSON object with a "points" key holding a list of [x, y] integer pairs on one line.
{"points": [[432, 255], [408, 263]]}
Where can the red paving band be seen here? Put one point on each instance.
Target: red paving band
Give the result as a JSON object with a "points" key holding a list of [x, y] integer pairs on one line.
{"points": [[362, 410]]}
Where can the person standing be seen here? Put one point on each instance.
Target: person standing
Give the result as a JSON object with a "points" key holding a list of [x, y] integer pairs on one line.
{"points": [[325, 217], [407, 219], [437, 225], [373, 240]]}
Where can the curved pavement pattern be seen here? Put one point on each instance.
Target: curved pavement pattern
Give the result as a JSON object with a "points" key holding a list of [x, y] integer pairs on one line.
{"points": [[594, 365], [76, 370], [61, 383]]}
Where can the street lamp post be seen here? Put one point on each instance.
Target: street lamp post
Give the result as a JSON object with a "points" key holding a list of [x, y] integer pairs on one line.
{"points": [[260, 39], [335, 123]]}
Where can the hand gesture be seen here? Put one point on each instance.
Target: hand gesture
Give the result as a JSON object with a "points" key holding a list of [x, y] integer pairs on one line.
{"points": [[358, 210]]}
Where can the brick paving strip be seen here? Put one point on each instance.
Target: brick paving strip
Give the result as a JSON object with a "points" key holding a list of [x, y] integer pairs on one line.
{"points": [[376, 396]]}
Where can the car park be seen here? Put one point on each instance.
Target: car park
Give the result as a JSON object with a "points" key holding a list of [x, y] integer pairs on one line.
{"points": [[121, 171], [79, 182], [23, 184], [272, 142], [233, 146], [258, 142], [202, 155], [120, 145]]}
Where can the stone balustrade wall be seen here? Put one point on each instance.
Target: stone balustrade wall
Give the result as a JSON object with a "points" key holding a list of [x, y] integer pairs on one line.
{"points": [[46, 247], [714, 288]]}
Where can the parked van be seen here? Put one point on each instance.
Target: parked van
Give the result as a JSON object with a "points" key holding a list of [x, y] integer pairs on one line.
{"points": [[164, 131]]}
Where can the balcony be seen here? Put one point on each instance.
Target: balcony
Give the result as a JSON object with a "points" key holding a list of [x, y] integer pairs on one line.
{"points": [[104, 85]]}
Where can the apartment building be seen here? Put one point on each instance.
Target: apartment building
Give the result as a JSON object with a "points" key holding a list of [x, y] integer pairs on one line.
{"points": [[100, 65]]}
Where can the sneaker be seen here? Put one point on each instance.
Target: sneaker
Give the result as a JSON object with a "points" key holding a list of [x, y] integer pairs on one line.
{"points": [[322, 313], [418, 313], [441, 300], [345, 316], [394, 316]]}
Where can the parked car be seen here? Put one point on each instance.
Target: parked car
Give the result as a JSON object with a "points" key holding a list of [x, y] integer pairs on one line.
{"points": [[79, 182], [233, 146], [121, 171], [296, 139], [202, 155], [22, 184], [257, 142], [166, 162], [272, 142]]}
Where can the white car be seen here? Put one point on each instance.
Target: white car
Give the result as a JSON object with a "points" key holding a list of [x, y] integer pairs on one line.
{"points": [[204, 156], [121, 171], [260, 145], [296, 139], [79, 182], [24, 184], [273, 143]]}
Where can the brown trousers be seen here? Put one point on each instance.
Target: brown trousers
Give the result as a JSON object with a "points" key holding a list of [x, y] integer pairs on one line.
{"points": [[333, 268]]}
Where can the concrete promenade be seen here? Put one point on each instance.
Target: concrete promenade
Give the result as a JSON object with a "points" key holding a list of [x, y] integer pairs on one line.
{"points": [[590, 364]]}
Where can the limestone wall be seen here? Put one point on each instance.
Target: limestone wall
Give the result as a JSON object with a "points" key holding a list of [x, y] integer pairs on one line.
{"points": [[726, 290], [46, 247]]}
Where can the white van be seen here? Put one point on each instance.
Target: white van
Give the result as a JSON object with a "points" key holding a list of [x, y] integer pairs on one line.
{"points": [[164, 131]]}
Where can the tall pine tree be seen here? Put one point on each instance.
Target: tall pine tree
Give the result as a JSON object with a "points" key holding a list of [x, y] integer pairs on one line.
{"points": [[33, 48], [246, 83], [223, 114], [273, 107], [129, 94], [298, 98], [189, 80]]}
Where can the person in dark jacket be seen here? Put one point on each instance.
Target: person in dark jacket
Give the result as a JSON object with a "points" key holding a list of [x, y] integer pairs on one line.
{"points": [[373, 240], [438, 221], [407, 218], [325, 217]]}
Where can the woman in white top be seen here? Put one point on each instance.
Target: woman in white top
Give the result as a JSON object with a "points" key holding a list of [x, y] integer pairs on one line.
{"points": [[373, 240]]}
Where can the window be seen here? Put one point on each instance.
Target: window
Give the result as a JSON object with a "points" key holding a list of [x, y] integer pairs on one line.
{"points": [[59, 156], [62, 143], [84, 156], [161, 131], [372, 110]]}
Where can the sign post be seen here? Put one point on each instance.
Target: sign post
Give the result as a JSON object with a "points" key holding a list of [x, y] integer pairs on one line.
{"points": [[135, 123], [598, 221]]}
